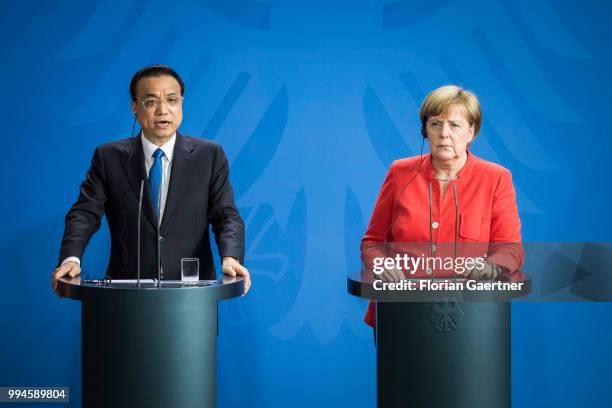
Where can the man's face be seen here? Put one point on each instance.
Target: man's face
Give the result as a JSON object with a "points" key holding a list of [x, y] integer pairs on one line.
{"points": [[158, 107]]}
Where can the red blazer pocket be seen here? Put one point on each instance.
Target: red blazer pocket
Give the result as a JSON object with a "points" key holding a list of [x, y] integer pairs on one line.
{"points": [[470, 226]]}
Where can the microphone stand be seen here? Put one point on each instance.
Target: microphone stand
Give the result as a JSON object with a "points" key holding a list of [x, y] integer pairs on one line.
{"points": [[139, 228], [433, 271], [159, 273], [456, 231]]}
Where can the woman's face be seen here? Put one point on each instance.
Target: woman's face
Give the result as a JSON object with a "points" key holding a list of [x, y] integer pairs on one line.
{"points": [[449, 136]]}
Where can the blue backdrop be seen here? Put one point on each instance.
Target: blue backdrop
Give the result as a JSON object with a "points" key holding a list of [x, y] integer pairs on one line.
{"points": [[312, 100]]}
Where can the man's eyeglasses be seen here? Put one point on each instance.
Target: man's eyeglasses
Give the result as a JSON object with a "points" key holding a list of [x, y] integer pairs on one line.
{"points": [[153, 103]]}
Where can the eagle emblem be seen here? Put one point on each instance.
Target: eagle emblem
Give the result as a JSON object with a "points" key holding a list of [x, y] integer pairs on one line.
{"points": [[446, 315]]}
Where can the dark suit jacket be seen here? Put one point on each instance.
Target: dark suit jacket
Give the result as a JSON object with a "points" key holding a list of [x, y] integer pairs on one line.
{"points": [[199, 194]]}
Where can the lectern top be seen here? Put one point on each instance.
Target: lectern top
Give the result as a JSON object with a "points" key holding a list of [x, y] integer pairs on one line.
{"points": [[223, 288]]}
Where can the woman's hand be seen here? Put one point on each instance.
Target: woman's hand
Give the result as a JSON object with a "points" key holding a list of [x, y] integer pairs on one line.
{"points": [[489, 272], [390, 275]]}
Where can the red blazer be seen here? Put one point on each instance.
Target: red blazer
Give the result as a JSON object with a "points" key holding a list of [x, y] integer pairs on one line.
{"points": [[486, 207]]}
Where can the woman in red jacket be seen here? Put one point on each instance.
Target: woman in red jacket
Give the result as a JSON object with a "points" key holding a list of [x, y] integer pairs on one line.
{"points": [[448, 196]]}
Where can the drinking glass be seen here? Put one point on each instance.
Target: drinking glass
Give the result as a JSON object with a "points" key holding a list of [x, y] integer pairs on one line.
{"points": [[190, 271]]}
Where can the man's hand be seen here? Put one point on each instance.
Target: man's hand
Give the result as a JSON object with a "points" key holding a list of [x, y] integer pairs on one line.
{"points": [[232, 267], [70, 268]]}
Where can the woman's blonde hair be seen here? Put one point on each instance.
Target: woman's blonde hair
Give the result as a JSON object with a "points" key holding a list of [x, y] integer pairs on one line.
{"points": [[439, 102]]}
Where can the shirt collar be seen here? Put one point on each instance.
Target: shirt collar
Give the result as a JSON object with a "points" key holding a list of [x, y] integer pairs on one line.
{"points": [[149, 148]]}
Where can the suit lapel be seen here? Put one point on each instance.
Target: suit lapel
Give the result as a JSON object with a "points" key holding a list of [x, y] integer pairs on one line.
{"points": [[181, 169], [134, 166]]}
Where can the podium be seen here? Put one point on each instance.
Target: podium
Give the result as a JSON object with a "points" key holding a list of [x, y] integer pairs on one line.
{"points": [[149, 346], [441, 349]]}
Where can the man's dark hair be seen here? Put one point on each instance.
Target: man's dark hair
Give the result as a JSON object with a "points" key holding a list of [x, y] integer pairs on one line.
{"points": [[156, 70]]}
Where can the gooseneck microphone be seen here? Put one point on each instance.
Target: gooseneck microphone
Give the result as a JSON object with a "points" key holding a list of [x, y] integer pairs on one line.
{"points": [[139, 228], [159, 271], [433, 270], [456, 231]]}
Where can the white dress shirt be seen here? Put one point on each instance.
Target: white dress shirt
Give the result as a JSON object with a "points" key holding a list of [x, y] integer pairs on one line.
{"points": [[148, 149]]}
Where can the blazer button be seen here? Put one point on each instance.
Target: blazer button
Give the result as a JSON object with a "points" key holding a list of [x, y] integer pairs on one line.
{"points": [[434, 248], [161, 239], [435, 224], [428, 271]]}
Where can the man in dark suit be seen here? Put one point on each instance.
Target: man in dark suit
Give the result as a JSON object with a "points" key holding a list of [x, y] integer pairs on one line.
{"points": [[185, 188]]}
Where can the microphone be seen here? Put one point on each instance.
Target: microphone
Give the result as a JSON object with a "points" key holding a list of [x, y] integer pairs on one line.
{"points": [[139, 228], [433, 270], [456, 230], [159, 271]]}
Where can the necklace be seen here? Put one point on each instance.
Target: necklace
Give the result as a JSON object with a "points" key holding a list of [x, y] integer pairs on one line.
{"points": [[446, 179]]}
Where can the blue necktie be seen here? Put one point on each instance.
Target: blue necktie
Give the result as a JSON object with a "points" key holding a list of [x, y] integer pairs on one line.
{"points": [[155, 178]]}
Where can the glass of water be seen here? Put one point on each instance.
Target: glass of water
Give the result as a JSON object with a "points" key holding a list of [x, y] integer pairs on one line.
{"points": [[190, 271]]}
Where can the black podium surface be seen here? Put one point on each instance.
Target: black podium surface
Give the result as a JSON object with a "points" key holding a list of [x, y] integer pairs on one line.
{"points": [[149, 346], [439, 349]]}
